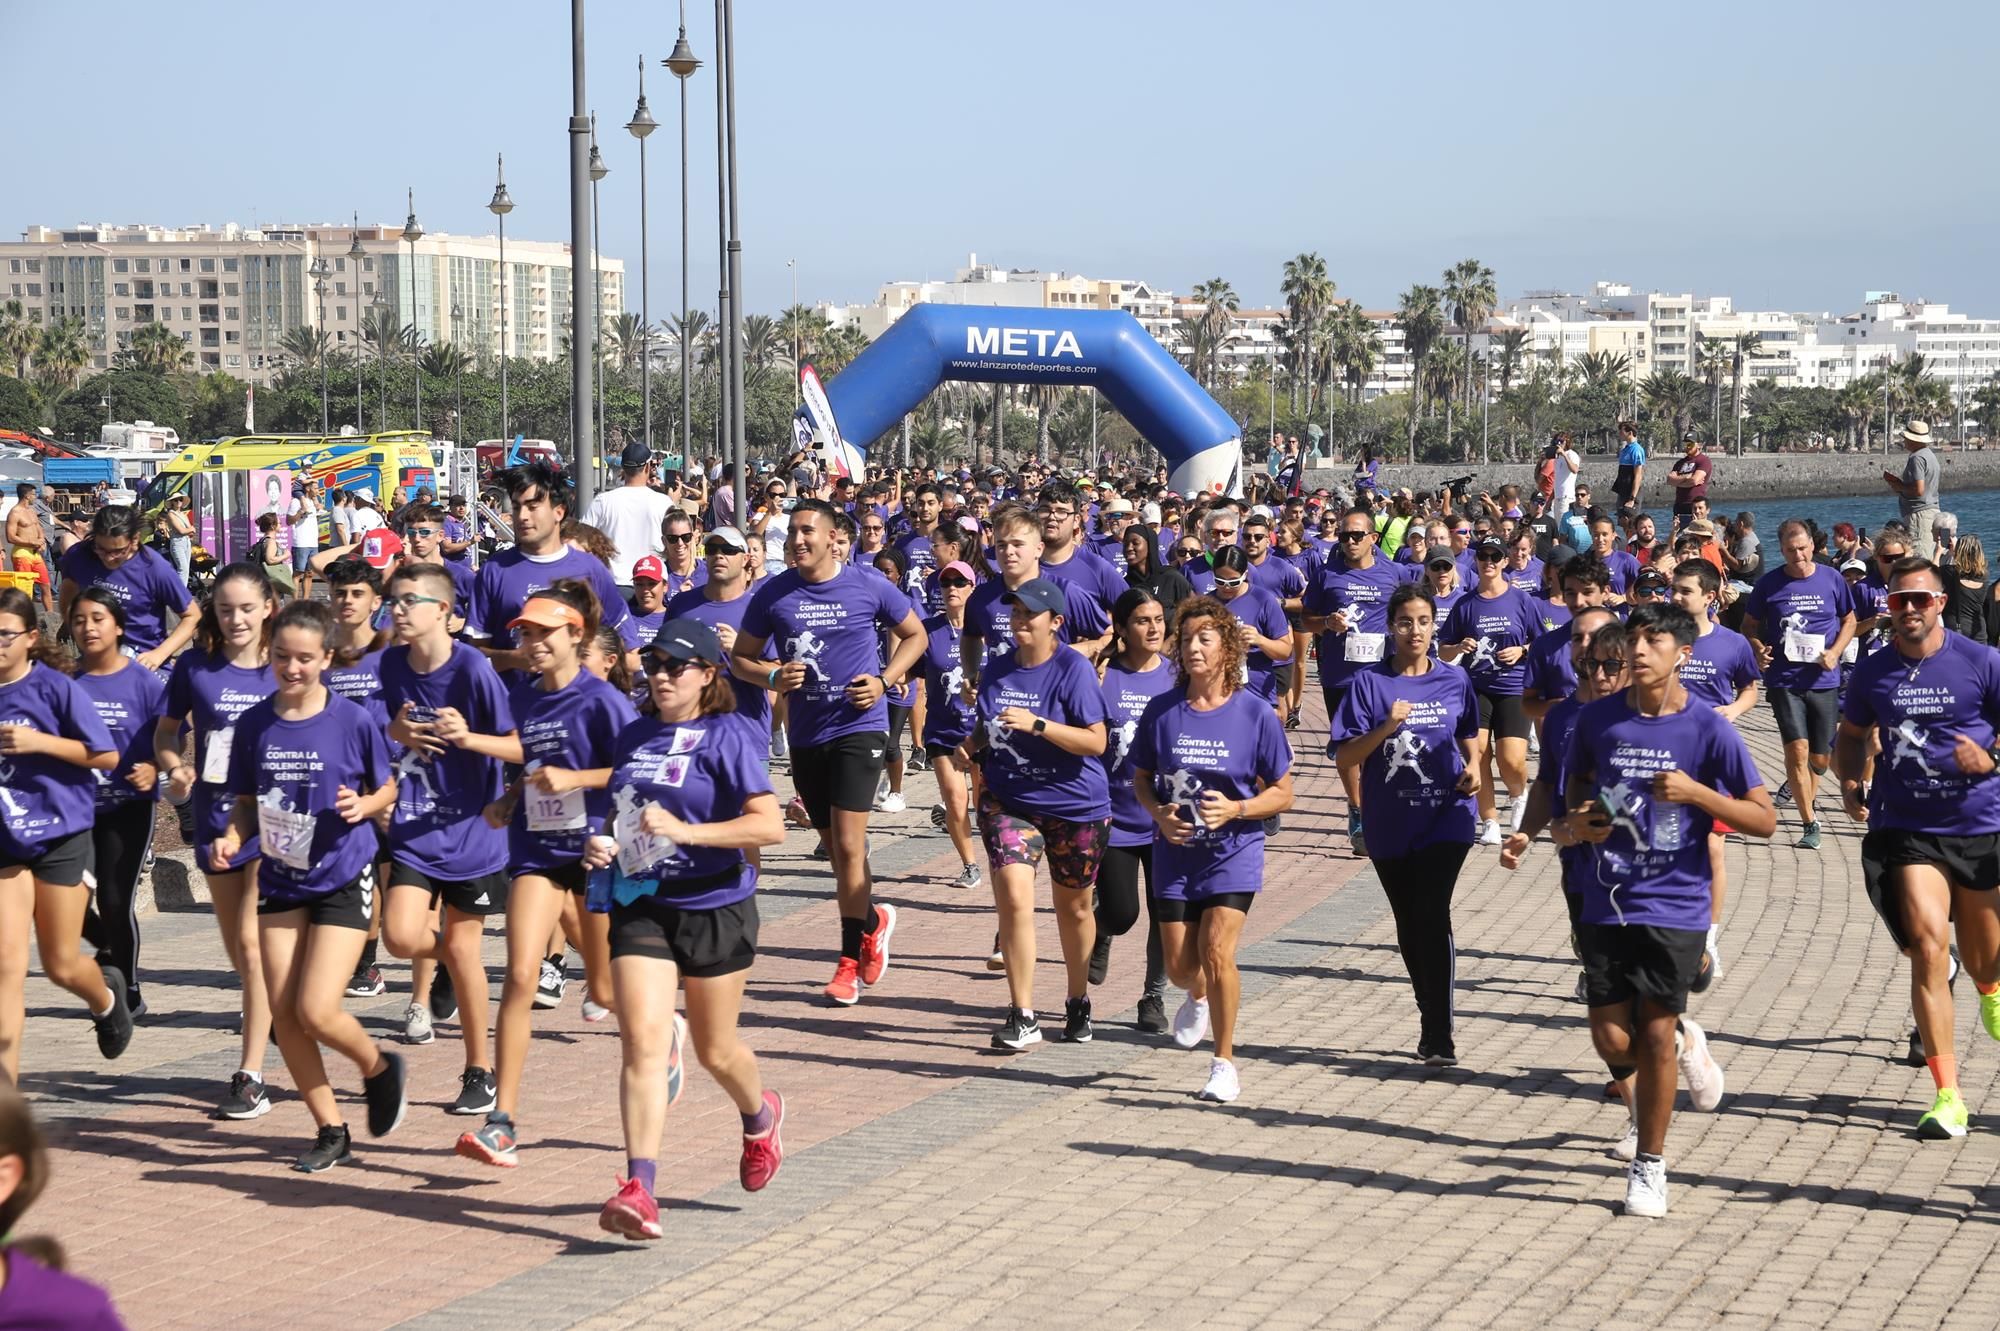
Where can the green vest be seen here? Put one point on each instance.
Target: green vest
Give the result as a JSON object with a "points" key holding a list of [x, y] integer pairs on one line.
{"points": [[1393, 533]]}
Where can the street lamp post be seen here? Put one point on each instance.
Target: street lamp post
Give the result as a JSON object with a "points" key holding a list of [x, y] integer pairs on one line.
{"points": [[355, 254], [726, 63], [458, 379], [725, 434], [583, 259], [319, 269], [413, 233], [640, 125], [501, 205], [793, 264], [682, 64], [598, 171]]}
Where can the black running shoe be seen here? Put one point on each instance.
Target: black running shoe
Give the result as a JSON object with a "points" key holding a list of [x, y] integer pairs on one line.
{"points": [[552, 984], [1437, 1056], [384, 1093], [1913, 1057], [246, 1099], [1019, 1031], [334, 1147], [367, 982], [475, 1093], [1152, 1017], [1100, 958], [444, 1003], [1292, 719], [1076, 1020], [135, 1001], [114, 1028]]}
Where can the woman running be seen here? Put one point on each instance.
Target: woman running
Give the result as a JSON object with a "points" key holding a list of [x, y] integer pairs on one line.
{"points": [[949, 722], [569, 721], [1136, 675], [1041, 729], [894, 565], [226, 674], [1408, 735], [130, 700], [308, 773], [1266, 632], [691, 792], [1209, 765], [51, 747]]}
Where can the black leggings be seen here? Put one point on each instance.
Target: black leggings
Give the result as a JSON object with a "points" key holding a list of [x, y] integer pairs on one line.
{"points": [[121, 837], [1118, 898], [899, 720], [1419, 887]]}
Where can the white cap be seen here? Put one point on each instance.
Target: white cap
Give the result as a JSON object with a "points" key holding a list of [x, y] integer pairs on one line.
{"points": [[1149, 513], [1260, 510], [730, 536]]}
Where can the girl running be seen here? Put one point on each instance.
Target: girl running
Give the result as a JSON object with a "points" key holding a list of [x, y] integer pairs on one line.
{"points": [[894, 565], [949, 721], [1136, 675], [51, 746], [130, 700], [226, 674], [569, 720], [1209, 765], [692, 791], [308, 772]]}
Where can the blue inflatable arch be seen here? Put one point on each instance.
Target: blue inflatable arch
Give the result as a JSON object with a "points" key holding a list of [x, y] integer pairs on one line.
{"points": [[1102, 349]]}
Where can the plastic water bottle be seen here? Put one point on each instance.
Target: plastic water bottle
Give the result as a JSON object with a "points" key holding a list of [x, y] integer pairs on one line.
{"points": [[1668, 830], [597, 890]]}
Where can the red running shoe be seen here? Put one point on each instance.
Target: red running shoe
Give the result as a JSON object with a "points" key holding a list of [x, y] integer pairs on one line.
{"points": [[762, 1155], [875, 946], [845, 987], [631, 1212]]}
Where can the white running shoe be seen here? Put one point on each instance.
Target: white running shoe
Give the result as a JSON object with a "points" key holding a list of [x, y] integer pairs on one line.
{"points": [[967, 877], [1489, 835], [1191, 1022], [1222, 1086], [1714, 955], [1626, 1148], [593, 1013], [1699, 1068], [1646, 1188], [890, 802]]}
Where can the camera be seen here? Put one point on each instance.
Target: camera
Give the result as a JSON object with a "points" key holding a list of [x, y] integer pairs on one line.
{"points": [[1459, 483]]}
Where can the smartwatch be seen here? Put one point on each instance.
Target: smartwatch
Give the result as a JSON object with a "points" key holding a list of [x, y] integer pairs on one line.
{"points": [[1994, 754], [1041, 725]]}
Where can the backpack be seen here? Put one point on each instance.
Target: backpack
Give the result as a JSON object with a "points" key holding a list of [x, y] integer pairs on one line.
{"points": [[1545, 477]]}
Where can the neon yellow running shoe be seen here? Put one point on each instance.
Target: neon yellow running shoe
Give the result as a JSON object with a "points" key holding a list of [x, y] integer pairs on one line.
{"points": [[1989, 1013], [1948, 1117]]}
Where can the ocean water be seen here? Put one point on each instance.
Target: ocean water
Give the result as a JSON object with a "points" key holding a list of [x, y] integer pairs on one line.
{"points": [[1978, 513]]}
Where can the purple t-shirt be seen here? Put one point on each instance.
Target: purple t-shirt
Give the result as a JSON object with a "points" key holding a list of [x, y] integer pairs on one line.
{"points": [[360, 682], [677, 583], [1791, 614], [213, 694], [988, 618], [1110, 549], [1506, 620], [46, 799], [1409, 785], [1549, 672], [146, 585], [507, 580], [454, 530], [1919, 708], [1228, 750], [948, 720], [832, 628], [297, 768], [38, 1299], [1624, 568], [575, 727], [1084, 569], [1363, 593], [1127, 695], [439, 825], [1557, 727], [130, 702], [1654, 868], [1261, 611], [700, 771], [1527, 579], [1723, 662], [753, 704], [1278, 576], [1024, 770]]}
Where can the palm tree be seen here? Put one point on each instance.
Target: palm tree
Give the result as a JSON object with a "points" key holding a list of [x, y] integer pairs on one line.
{"points": [[307, 346], [62, 351], [1745, 346], [1193, 338], [625, 343], [1218, 318], [838, 348], [802, 329], [1422, 316], [689, 333], [1443, 369], [1513, 346], [1671, 394], [1308, 295], [1856, 403], [157, 348], [1715, 360], [1357, 348], [442, 360], [1468, 286], [18, 337], [761, 348]]}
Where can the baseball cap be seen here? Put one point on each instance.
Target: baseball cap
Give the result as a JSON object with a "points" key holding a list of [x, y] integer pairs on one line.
{"points": [[1650, 577], [1036, 596], [1855, 566], [730, 537], [1489, 546], [1440, 561], [380, 547], [650, 567], [688, 640], [547, 612], [636, 454], [960, 567], [1150, 514]]}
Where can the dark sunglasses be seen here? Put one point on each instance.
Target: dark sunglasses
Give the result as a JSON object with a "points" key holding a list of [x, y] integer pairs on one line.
{"points": [[1489, 556], [714, 548], [954, 581], [1913, 600], [679, 538], [1611, 667], [668, 666], [1188, 551], [1356, 535]]}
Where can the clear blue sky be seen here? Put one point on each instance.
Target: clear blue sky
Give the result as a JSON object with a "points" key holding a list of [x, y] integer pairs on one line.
{"points": [[1791, 156]]}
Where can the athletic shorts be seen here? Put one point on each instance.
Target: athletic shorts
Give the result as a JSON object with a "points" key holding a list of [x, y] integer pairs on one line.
{"points": [[1968, 861], [27, 560], [485, 895], [1502, 714], [569, 877], [1811, 715], [840, 774], [1622, 962], [64, 862], [700, 943], [1281, 678], [1183, 910], [1073, 849], [350, 907], [936, 751]]}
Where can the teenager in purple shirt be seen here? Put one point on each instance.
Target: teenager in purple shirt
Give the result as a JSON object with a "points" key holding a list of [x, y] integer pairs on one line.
{"points": [[1266, 632], [1410, 728], [948, 722], [691, 801], [226, 674], [36, 1292], [1488, 634], [1209, 765], [355, 592], [1648, 771], [116, 558], [1550, 677], [130, 700]]}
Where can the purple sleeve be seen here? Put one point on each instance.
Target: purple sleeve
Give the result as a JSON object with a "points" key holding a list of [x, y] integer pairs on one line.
{"points": [[1357, 706], [1468, 709], [1576, 753], [78, 718], [180, 686], [1729, 768], [1857, 708], [1274, 755], [742, 774], [485, 596], [757, 615], [1743, 670], [1456, 622], [608, 719], [1085, 616], [1145, 753], [891, 606], [1843, 598], [1082, 699], [1756, 606], [1316, 600], [169, 591], [1274, 624]]}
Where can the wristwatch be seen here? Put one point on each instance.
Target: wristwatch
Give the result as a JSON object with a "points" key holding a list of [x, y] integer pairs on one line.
{"points": [[1994, 753], [1041, 725]]}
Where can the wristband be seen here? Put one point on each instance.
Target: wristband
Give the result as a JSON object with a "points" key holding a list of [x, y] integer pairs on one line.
{"points": [[771, 680]]}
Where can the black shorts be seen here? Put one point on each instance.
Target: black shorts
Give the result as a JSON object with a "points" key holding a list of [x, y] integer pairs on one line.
{"points": [[840, 774], [1966, 861], [701, 943], [1502, 714], [1622, 962], [65, 862], [1282, 678], [936, 751], [485, 895], [1182, 910], [1811, 715], [350, 907]]}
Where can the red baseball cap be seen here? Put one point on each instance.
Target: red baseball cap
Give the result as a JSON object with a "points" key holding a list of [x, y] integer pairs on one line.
{"points": [[649, 566], [380, 547]]}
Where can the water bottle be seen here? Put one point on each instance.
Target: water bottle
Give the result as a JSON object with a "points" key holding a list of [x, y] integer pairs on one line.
{"points": [[1668, 829], [597, 890]]}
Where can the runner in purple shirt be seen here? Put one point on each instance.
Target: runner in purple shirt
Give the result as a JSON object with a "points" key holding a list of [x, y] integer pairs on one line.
{"points": [[719, 602], [149, 588], [1265, 629], [1586, 585], [1488, 634], [1624, 567], [949, 720], [1137, 673]]}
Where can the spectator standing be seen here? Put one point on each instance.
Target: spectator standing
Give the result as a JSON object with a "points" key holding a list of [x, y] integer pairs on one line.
{"points": [[1917, 489], [305, 535], [1631, 465], [1689, 477], [631, 514]]}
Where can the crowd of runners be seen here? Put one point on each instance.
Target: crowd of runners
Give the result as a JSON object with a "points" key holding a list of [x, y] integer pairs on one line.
{"points": [[576, 739]]}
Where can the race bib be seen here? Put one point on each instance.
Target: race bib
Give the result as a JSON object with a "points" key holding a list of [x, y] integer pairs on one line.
{"points": [[285, 836], [215, 766], [638, 850], [1804, 647], [554, 813], [1852, 652], [1365, 647]]}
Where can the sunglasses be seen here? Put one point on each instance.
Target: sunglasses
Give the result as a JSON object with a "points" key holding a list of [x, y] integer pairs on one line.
{"points": [[1356, 535], [423, 531], [1489, 557], [1188, 551], [680, 538], [1461, 531], [1610, 667], [668, 666], [954, 581], [1918, 600], [714, 548], [1231, 583]]}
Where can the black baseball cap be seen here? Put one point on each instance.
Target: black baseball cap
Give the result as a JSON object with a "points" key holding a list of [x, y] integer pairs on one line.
{"points": [[688, 640], [635, 455], [1037, 595], [1440, 561]]}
